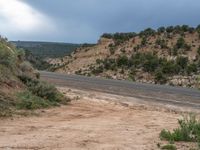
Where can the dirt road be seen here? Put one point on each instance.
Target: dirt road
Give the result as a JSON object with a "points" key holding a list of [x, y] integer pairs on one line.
{"points": [[90, 122]]}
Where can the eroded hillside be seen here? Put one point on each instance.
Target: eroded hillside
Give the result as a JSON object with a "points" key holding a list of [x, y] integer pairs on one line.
{"points": [[20, 88], [166, 56]]}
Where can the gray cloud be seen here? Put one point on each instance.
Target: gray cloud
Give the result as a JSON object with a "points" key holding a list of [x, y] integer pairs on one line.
{"points": [[85, 20]]}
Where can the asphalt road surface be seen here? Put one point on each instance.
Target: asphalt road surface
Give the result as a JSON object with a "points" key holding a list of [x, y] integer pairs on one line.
{"points": [[156, 93]]}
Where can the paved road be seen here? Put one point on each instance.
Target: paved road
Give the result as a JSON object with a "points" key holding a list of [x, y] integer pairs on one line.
{"points": [[156, 93]]}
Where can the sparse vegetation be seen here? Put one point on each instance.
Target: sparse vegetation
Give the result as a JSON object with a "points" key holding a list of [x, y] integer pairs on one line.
{"points": [[112, 49], [119, 36], [192, 68], [161, 68], [31, 93], [180, 43], [182, 62], [122, 61], [161, 30], [144, 41], [188, 131], [160, 77], [168, 55], [6, 104], [30, 102], [37, 61], [43, 90], [162, 43], [147, 32]]}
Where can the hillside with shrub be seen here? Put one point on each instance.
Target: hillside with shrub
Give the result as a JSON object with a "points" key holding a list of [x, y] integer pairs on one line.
{"points": [[21, 88], [168, 55]]}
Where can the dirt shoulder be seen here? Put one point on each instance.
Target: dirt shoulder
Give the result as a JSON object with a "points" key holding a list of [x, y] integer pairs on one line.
{"points": [[92, 121]]}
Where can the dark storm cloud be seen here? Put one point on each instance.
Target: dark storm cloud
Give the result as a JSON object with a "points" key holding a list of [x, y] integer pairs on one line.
{"points": [[85, 20]]}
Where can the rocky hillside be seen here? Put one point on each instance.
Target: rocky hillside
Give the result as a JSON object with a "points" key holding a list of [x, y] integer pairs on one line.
{"points": [[168, 55]]}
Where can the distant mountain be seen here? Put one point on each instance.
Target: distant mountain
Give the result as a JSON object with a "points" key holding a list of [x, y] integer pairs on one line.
{"points": [[47, 49]]}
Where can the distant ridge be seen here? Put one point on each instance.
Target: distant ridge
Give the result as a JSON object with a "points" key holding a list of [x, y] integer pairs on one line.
{"points": [[47, 49]]}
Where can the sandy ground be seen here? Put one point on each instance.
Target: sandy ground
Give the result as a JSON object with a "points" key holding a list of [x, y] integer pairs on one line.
{"points": [[93, 121]]}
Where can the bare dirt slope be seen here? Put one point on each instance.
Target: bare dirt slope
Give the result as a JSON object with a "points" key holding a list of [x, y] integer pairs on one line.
{"points": [[90, 122]]}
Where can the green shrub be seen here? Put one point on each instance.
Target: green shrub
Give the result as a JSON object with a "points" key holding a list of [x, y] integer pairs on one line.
{"points": [[178, 30], [107, 35], [185, 28], [198, 51], [169, 147], [160, 77], [191, 30], [161, 30], [198, 30], [137, 60], [6, 73], [112, 50], [188, 131], [99, 61], [170, 67], [180, 43], [162, 43], [6, 105], [174, 51], [147, 32], [37, 74], [191, 68], [120, 37], [132, 73], [26, 67], [182, 61], [97, 70], [199, 33], [144, 41], [43, 90], [30, 102], [21, 55], [151, 62], [170, 29], [109, 64], [122, 61], [7, 56], [198, 27], [166, 135], [5, 111]]}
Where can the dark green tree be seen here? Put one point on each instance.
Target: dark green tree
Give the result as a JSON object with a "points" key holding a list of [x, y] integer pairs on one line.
{"points": [[122, 61], [191, 68], [180, 43], [170, 29], [161, 30], [182, 61], [160, 77], [198, 51]]}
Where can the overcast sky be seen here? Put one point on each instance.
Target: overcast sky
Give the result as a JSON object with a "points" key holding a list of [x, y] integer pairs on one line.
{"points": [[80, 21]]}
